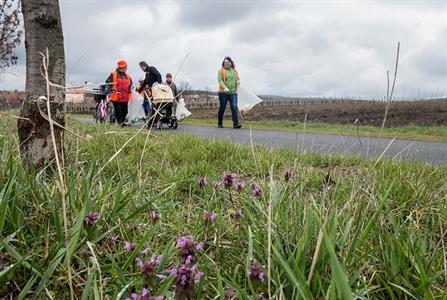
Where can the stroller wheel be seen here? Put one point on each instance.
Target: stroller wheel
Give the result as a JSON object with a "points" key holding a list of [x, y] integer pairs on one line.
{"points": [[174, 124]]}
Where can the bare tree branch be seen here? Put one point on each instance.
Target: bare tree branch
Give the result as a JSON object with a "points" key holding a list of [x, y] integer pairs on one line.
{"points": [[10, 32]]}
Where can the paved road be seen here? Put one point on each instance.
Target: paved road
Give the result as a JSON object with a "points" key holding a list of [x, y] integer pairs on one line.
{"points": [[426, 152]]}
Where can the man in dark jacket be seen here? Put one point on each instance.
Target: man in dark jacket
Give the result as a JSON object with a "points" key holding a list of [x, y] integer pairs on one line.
{"points": [[152, 76]]}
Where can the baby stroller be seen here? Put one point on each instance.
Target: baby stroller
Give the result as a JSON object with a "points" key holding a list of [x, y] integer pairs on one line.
{"points": [[162, 107]]}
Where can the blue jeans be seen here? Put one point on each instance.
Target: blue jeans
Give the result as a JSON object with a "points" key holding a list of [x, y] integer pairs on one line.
{"points": [[223, 99], [146, 108]]}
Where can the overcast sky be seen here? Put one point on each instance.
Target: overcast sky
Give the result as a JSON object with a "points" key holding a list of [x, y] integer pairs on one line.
{"points": [[303, 48]]}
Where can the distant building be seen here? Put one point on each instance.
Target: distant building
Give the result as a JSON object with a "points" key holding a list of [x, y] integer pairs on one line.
{"points": [[75, 95]]}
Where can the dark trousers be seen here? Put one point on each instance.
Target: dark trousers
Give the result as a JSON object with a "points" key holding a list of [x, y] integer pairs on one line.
{"points": [[223, 99], [120, 111], [146, 108]]}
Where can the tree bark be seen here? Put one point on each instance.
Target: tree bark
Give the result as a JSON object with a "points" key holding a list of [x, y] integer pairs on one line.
{"points": [[43, 30]]}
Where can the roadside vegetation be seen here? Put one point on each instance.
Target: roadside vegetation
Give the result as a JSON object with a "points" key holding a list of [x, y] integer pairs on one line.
{"points": [[179, 217]]}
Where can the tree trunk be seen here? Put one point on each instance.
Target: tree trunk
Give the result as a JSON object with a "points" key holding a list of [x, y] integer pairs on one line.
{"points": [[43, 29]]}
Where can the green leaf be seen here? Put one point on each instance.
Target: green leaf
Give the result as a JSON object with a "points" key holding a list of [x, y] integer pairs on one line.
{"points": [[46, 277], [5, 197], [299, 282]]}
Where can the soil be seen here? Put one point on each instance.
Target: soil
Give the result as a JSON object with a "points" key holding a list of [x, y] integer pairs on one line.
{"points": [[420, 113]]}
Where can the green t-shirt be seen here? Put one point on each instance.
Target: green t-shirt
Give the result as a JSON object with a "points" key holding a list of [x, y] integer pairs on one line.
{"points": [[230, 82]]}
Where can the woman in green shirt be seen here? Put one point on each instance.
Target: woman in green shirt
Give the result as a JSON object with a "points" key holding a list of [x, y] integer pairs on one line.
{"points": [[228, 85]]}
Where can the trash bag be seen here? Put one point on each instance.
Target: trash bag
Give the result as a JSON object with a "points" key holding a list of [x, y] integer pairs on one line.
{"points": [[135, 110], [246, 99], [181, 111]]}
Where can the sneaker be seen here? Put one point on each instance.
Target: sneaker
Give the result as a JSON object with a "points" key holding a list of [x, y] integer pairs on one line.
{"points": [[220, 126], [237, 126]]}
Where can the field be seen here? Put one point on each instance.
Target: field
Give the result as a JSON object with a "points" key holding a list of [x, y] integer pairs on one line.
{"points": [[418, 113], [179, 217]]}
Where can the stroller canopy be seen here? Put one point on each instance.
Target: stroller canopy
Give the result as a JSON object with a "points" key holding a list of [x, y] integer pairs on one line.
{"points": [[162, 93]]}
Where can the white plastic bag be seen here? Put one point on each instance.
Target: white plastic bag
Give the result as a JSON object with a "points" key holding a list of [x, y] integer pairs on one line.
{"points": [[246, 99], [181, 111], [136, 111]]}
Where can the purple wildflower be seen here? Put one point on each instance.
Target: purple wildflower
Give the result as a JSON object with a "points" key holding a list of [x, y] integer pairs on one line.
{"points": [[149, 266], [255, 271], [202, 182], [144, 296], [228, 179], [155, 216], [237, 214], [172, 272], [129, 246], [189, 259], [217, 184], [287, 175], [188, 247], [145, 251], [112, 240], [240, 185], [256, 190], [162, 277], [198, 276], [186, 276], [210, 217], [92, 218]]}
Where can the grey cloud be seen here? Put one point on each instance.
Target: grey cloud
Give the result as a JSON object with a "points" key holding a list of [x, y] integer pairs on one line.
{"points": [[209, 14], [432, 58], [280, 47]]}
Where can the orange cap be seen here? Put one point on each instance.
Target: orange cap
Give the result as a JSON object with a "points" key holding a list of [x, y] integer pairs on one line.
{"points": [[122, 63]]}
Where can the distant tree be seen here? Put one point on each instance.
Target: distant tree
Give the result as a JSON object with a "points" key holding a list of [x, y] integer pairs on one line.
{"points": [[10, 32], [184, 86], [43, 30]]}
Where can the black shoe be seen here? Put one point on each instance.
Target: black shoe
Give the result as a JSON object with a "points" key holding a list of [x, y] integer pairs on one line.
{"points": [[237, 126], [220, 126]]}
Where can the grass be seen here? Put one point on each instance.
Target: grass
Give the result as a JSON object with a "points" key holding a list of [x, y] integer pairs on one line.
{"points": [[421, 133], [370, 232]]}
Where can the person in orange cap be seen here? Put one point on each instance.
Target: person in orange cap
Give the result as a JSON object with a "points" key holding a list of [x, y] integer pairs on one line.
{"points": [[121, 91]]}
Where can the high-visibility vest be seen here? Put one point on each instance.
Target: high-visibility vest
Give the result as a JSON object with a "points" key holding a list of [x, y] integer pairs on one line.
{"points": [[224, 78], [121, 91]]}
